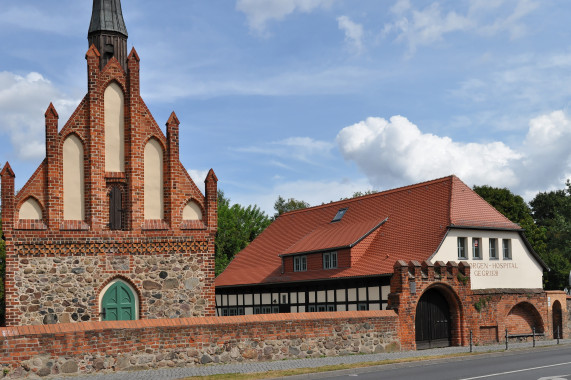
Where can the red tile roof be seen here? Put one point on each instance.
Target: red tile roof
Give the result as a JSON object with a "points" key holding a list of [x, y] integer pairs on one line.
{"points": [[417, 218]]}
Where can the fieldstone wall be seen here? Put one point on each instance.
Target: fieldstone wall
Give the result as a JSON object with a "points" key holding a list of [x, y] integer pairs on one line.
{"points": [[71, 349], [62, 288]]}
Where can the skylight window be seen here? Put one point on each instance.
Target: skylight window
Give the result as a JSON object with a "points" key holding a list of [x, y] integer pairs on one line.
{"points": [[339, 215]]}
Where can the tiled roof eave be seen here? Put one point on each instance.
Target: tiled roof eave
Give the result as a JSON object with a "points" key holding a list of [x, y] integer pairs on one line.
{"points": [[326, 249], [269, 283], [475, 227]]}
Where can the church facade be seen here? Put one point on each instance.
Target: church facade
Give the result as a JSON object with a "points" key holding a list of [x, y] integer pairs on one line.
{"points": [[110, 226]]}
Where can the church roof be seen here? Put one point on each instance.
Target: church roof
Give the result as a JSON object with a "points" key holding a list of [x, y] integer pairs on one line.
{"points": [[407, 223], [107, 16]]}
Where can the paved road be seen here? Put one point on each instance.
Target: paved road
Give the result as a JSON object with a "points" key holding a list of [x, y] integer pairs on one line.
{"points": [[432, 368], [549, 363]]}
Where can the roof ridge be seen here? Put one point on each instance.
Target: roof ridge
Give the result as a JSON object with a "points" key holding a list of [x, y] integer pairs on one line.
{"points": [[495, 209], [366, 196]]}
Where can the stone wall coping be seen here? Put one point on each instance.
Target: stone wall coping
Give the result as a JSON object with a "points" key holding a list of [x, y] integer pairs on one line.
{"points": [[508, 291], [64, 328]]}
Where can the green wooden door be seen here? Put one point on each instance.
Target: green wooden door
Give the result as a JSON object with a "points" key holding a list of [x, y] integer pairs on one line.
{"points": [[118, 303]]}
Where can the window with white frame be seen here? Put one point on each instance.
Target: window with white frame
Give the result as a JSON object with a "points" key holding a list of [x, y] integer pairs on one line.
{"points": [[493, 249], [300, 263], [462, 248], [507, 249], [330, 260], [476, 249]]}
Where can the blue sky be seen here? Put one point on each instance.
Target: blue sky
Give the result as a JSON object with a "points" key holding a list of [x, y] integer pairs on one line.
{"points": [[317, 99]]}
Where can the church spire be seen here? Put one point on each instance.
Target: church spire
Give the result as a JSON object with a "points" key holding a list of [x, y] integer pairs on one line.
{"points": [[107, 31]]}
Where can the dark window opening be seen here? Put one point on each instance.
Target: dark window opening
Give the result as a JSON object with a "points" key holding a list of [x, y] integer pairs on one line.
{"points": [[339, 215], [115, 209]]}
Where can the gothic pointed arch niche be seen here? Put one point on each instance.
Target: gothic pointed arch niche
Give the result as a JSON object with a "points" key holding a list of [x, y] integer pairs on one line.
{"points": [[114, 110], [73, 179]]}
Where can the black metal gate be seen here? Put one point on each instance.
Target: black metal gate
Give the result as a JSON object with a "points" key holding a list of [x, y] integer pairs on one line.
{"points": [[432, 321]]}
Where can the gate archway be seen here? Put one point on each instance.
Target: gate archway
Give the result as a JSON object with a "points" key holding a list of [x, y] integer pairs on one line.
{"points": [[432, 321]]}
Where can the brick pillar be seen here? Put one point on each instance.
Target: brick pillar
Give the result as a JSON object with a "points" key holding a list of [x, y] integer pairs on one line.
{"points": [[211, 221], [400, 301], [94, 144], [54, 204], [211, 187], [134, 145], [172, 216], [8, 206]]}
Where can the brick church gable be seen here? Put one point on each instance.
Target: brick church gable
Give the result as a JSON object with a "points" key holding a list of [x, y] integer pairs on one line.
{"points": [[86, 226]]}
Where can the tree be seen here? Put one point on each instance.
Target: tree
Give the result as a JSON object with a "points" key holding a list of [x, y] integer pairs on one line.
{"points": [[552, 211], [282, 206], [514, 208], [237, 227], [2, 276]]}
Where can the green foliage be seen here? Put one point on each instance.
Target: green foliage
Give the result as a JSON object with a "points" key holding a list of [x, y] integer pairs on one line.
{"points": [[2, 275], [237, 227], [481, 303], [552, 212], [462, 278], [282, 206]]}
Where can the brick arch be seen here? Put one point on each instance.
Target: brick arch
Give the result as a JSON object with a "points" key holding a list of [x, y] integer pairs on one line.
{"points": [[108, 82], [37, 199], [187, 201], [69, 134], [159, 140], [456, 308], [522, 318], [128, 281]]}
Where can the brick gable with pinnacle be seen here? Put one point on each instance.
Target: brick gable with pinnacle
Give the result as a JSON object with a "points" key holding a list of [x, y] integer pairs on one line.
{"points": [[56, 269]]}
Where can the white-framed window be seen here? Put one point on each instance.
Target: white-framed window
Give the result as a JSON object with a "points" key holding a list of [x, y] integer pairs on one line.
{"points": [[362, 306], [311, 309], [331, 308], [476, 249], [330, 260], [462, 255], [507, 249], [300, 263], [493, 249]]}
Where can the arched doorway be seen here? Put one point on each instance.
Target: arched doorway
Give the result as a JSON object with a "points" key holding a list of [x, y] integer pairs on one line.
{"points": [[557, 320], [119, 302], [432, 321]]}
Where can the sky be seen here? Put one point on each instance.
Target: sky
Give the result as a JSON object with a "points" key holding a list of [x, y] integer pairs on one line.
{"points": [[316, 99]]}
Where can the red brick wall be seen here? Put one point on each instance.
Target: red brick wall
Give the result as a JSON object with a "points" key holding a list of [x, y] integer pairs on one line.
{"points": [[109, 346], [53, 243], [487, 313]]}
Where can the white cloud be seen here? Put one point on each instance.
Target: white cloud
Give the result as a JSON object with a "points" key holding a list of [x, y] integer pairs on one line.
{"points": [[547, 161], [23, 102], [303, 149], [353, 32], [396, 152], [417, 27], [259, 12], [198, 176]]}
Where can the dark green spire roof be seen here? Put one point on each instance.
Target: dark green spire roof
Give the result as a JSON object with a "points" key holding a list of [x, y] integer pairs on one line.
{"points": [[107, 16]]}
